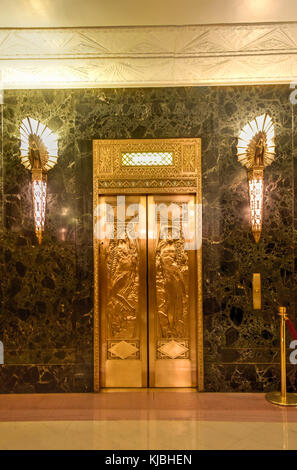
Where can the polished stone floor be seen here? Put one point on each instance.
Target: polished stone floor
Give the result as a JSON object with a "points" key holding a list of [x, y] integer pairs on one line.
{"points": [[148, 419]]}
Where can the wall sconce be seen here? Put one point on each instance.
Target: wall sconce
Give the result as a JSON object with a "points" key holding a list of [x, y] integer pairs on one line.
{"points": [[39, 153], [255, 150]]}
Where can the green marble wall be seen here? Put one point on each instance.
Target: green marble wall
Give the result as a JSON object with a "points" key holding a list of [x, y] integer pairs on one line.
{"points": [[47, 291]]}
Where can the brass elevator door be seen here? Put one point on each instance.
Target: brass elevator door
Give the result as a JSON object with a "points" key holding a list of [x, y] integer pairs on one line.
{"points": [[147, 280]]}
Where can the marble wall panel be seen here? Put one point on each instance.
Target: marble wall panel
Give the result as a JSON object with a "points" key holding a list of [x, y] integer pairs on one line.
{"points": [[47, 291]]}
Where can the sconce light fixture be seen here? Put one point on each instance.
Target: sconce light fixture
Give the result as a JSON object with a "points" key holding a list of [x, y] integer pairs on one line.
{"points": [[255, 150], [39, 153]]}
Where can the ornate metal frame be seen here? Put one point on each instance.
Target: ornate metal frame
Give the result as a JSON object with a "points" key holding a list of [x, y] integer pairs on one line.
{"points": [[183, 177]]}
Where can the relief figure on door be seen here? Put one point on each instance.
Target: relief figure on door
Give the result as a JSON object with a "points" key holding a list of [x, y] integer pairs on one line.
{"points": [[123, 284], [172, 288]]}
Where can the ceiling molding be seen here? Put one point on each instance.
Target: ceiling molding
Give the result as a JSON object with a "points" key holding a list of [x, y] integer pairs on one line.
{"points": [[148, 56]]}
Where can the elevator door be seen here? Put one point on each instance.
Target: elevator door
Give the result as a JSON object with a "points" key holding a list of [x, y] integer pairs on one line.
{"points": [[147, 281]]}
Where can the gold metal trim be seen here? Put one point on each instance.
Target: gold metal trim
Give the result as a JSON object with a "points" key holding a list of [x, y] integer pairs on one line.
{"points": [[183, 177]]}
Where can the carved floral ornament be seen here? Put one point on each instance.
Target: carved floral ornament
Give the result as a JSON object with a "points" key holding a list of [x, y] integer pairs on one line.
{"points": [[255, 150], [39, 154]]}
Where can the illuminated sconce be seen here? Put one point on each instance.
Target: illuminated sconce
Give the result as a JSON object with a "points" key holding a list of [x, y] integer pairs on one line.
{"points": [[255, 150], [39, 153]]}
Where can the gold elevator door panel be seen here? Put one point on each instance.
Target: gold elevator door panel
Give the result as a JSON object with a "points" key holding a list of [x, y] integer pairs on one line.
{"points": [[171, 291], [148, 295], [123, 294]]}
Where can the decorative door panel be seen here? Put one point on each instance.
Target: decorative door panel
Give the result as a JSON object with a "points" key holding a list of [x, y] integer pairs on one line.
{"points": [[171, 291], [123, 298], [148, 323]]}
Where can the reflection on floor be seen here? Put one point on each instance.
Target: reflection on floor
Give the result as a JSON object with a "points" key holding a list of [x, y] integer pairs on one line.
{"points": [[149, 419]]}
